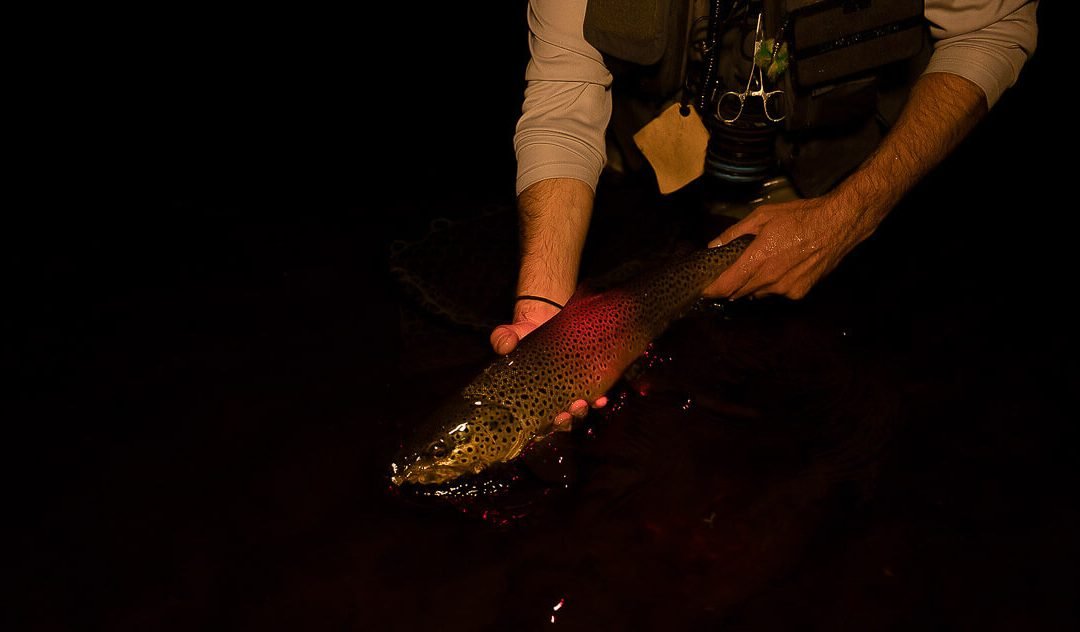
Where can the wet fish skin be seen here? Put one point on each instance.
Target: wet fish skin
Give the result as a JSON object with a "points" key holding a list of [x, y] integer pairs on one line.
{"points": [[578, 354]]}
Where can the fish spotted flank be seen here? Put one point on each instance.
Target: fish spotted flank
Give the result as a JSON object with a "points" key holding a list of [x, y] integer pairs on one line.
{"points": [[578, 354]]}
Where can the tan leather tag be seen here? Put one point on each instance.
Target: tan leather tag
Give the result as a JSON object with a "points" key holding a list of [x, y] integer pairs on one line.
{"points": [[675, 147]]}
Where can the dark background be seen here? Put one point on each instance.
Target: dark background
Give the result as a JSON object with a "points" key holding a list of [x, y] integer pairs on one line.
{"points": [[204, 257], [240, 116]]}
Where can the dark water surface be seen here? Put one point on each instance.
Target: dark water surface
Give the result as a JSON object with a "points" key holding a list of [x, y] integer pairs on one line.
{"points": [[211, 452], [211, 378]]}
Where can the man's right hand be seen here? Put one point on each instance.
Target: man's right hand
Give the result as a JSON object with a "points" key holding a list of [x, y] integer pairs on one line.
{"points": [[554, 217], [528, 315]]}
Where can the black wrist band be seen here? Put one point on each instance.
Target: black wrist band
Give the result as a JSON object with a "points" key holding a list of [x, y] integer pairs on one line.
{"points": [[530, 297]]}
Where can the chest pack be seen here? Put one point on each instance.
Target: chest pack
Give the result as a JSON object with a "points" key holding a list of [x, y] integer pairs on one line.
{"points": [[851, 65]]}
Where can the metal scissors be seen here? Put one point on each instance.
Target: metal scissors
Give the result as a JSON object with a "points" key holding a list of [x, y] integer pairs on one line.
{"points": [[730, 97]]}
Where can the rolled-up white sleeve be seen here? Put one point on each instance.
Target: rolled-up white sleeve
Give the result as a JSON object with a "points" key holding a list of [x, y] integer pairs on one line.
{"points": [[983, 41], [567, 100]]}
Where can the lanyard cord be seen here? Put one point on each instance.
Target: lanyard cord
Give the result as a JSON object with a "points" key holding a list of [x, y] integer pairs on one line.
{"points": [[719, 11]]}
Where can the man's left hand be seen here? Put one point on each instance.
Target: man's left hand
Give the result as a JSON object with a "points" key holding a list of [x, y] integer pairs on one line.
{"points": [[797, 244]]}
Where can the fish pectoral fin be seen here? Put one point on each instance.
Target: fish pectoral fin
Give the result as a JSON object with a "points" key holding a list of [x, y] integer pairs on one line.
{"points": [[635, 372], [549, 458]]}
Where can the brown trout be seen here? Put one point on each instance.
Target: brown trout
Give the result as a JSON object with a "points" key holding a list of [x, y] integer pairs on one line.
{"points": [[578, 354]]}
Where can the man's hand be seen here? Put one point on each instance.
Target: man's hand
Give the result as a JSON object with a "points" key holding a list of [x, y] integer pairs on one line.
{"points": [[798, 243], [554, 218], [528, 315]]}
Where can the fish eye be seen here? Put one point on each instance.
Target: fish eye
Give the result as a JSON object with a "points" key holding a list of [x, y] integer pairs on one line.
{"points": [[437, 449]]}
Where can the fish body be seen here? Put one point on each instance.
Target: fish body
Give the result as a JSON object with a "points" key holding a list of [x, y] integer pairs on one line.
{"points": [[578, 354]]}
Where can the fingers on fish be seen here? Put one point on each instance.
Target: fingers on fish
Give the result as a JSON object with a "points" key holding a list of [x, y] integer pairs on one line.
{"points": [[563, 422], [579, 409]]}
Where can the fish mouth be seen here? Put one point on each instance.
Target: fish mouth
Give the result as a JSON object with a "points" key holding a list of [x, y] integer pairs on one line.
{"points": [[426, 475]]}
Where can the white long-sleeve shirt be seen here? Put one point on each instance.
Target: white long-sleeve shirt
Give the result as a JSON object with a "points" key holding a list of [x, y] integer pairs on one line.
{"points": [[568, 101]]}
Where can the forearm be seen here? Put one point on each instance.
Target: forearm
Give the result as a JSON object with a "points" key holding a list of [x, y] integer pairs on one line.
{"points": [[941, 111], [800, 242], [555, 217]]}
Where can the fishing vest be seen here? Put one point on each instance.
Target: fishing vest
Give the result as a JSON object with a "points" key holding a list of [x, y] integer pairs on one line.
{"points": [[852, 64]]}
